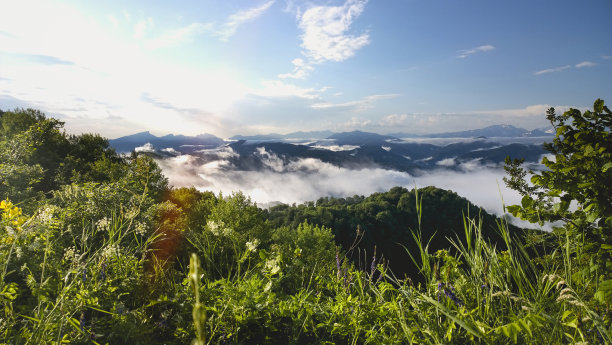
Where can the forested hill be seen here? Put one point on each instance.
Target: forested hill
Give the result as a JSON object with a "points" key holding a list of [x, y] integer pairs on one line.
{"points": [[388, 221], [96, 248]]}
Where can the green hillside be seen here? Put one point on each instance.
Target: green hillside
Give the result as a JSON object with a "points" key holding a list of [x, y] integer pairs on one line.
{"points": [[95, 248]]}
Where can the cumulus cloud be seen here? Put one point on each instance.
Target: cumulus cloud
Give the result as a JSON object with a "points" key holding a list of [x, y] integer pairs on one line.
{"points": [[325, 31], [325, 35], [148, 147], [300, 70], [467, 52]]}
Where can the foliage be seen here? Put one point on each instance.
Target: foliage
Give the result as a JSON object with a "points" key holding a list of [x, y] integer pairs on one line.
{"points": [[385, 220], [576, 189], [108, 254]]}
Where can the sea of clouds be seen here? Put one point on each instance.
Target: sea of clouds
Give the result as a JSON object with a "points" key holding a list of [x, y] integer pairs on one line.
{"points": [[308, 179]]}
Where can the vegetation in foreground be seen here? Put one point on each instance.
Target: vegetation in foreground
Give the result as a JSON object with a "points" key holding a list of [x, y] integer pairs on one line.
{"points": [[95, 248]]}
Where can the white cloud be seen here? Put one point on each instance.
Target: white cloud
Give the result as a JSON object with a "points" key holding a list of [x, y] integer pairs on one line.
{"points": [[277, 88], [235, 20], [448, 162], [467, 52], [325, 30], [552, 70], [309, 179], [113, 20], [356, 122], [300, 69], [585, 64], [223, 32], [143, 27], [366, 102], [325, 36], [394, 120], [179, 36], [148, 147]]}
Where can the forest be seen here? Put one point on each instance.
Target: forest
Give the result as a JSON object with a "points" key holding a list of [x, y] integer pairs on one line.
{"points": [[97, 248]]}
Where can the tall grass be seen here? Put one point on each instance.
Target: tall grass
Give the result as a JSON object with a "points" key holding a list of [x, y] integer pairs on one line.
{"points": [[65, 282]]}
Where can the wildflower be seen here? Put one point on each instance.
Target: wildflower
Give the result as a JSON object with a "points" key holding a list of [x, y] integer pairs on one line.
{"points": [[373, 265], [272, 266], [71, 254], [82, 321], [449, 291], [103, 224], [103, 271], [46, 215], [110, 251], [251, 246]]}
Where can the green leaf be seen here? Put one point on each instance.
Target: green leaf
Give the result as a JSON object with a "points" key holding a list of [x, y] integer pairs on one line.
{"points": [[598, 105], [526, 201], [606, 167]]}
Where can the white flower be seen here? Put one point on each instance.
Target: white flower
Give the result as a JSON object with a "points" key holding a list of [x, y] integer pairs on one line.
{"points": [[103, 224], [71, 255], [140, 229], [110, 251], [272, 266], [218, 229], [251, 246], [46, 215]]}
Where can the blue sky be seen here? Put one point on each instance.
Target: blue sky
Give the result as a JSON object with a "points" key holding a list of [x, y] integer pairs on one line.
{"points": [[260, 66]]}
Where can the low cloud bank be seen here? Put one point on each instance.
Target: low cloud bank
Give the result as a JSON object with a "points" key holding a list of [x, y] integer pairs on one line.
{"points": [[309, 179]]}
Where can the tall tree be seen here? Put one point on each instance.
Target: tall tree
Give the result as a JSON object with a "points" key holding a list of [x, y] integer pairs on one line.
{"points": [[576, 189]]}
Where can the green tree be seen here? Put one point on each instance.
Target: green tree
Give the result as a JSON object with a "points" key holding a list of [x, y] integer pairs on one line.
{"points": [[576, 189]]}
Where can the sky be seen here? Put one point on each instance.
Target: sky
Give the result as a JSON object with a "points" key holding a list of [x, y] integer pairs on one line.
{"points": [[261, 66]]}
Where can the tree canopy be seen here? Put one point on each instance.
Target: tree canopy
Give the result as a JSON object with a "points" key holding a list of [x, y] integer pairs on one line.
{"points": [[575, 188]]}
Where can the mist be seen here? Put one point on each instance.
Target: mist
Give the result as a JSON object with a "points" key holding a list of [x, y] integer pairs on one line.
{"points": [[309, 179]]}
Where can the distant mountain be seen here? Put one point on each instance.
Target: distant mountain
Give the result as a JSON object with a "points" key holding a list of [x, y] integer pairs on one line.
{"points": [[180, 143], [499, 131], [309, 135], [409, 157], [360, 138], [295, 135], [272, 136]]}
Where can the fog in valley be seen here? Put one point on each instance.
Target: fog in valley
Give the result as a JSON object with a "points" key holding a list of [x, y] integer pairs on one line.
{"points": [[308, 179]]}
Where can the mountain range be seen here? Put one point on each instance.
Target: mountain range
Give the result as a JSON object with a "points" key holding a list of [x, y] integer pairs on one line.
{"points": [[353, 150], [188, 144], [495, 131]]}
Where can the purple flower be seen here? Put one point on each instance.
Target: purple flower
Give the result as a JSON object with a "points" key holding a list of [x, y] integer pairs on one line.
{"points": [[373, 265]]}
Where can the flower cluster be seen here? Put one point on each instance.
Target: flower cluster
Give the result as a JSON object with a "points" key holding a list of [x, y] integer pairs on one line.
{"points": [[449, 291], [251, 246], [103, 224], [218, 229]]}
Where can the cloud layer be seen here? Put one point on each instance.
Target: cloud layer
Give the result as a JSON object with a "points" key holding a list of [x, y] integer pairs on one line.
{"points": [[309, 179]]}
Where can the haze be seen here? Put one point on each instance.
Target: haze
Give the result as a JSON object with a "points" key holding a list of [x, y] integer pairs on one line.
{"points": [[249, 67]]}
